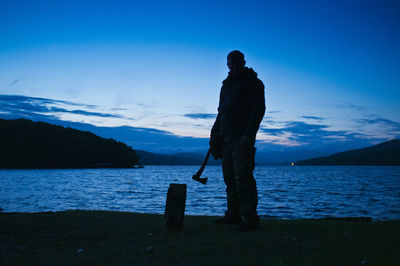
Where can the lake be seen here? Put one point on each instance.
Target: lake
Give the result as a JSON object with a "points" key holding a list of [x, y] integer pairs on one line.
{"points": [[285, 192]]}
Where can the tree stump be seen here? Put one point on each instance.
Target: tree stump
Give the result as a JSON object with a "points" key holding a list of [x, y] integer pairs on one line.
{"points": [[175, 206]]}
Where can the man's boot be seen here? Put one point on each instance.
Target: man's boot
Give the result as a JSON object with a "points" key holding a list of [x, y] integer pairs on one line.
{"points": [[229, 219], [248, 224]]}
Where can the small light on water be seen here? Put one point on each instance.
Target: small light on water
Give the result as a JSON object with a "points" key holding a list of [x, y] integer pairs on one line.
{"points": [[292, 164]]}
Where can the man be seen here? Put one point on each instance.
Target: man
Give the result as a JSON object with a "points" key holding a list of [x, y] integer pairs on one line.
{"points": [[240, 111]]}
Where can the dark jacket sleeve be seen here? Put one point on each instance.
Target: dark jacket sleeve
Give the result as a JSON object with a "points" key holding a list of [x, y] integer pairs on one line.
{"points": [[215, 129], [215, 140], [257, 110], [216, 126]]}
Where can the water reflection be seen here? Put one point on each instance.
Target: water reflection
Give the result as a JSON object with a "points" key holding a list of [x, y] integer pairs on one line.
{"points": [[284, 192]]}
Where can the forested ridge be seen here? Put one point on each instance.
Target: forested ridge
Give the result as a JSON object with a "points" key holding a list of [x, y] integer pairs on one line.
{"points": [[28, 144], [386, 153]]}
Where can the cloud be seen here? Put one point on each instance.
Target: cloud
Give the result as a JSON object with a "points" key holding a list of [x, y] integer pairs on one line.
{"points": [[268, 121], [352, 107], [38, 101], [295, 127], [380, 125], [312, 117], [358, 128], [32, 106], [17, 80], [200, 115], [377, 120], [317, 136], [314, 133], [82, 112]]}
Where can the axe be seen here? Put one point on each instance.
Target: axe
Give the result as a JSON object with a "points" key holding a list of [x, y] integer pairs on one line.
{"points": [[197, 177]]}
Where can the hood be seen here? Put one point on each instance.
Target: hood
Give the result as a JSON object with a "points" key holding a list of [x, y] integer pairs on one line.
{"points": [[245, 71]]}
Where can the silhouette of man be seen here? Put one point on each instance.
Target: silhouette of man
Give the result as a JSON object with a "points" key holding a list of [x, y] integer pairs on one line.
{"points": [[240, 111]]}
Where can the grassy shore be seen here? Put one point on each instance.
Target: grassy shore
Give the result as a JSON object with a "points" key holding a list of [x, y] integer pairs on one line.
{"points": [[118, 238]]}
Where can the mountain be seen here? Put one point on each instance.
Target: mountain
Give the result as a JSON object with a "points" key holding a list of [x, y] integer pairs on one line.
{"points": [[28, 144], [386, 153], [286, 156]]}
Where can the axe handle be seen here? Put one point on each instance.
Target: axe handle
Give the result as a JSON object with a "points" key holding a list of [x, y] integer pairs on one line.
{"points": [[203, 165]]}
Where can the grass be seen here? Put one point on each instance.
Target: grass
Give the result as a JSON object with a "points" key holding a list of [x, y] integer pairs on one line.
{"points": [[118, 238]]}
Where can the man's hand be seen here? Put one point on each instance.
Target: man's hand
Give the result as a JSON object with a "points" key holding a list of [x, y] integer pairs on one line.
{"points": [[245, 142]]}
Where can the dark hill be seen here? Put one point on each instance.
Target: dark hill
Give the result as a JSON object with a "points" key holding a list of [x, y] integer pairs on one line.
{"points": [[27, 144], [386, 153]]}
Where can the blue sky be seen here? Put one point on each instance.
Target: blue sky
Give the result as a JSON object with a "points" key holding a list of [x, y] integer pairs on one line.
{"points": [[330, 68]]}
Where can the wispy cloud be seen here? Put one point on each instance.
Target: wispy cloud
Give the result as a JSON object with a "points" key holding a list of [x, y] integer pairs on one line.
{"points": [[200, 115], [379, 124], [377, 120], [28, 106], [351, 106], [17, 80], [312, 117], [316, 136], [297, 128], [354, 127], [308, 132], [82, 112]]}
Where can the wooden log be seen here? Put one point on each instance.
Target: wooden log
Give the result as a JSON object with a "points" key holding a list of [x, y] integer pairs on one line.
{"points": [[175, 206]]}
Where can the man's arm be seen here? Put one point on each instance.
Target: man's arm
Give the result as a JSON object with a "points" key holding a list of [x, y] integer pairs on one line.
{"points": [[215, 140], [257, 109], [215, 129]]}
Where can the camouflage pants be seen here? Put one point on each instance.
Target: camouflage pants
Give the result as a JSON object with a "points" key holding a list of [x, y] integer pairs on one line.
{"points": [[241, 189]]}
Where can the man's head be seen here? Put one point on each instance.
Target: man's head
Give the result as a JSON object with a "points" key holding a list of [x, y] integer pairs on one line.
{"points": [[235, 61]]}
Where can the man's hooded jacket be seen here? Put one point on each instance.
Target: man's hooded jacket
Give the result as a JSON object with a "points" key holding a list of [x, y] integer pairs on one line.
{"points": [[241, 106]]}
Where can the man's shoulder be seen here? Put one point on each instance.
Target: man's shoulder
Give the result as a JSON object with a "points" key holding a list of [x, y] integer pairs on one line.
{"points": [[247, 75], [252, 75], [256, 82], [259, 82]]}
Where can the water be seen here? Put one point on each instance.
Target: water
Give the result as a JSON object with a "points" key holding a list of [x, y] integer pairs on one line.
{"points": [[284, 191]]}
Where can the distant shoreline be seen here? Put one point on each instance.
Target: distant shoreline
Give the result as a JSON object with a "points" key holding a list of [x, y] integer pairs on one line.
{"points": [[144, 166]]}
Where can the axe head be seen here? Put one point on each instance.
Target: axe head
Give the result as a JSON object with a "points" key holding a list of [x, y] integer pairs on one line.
{"points": [[202, 180]]}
